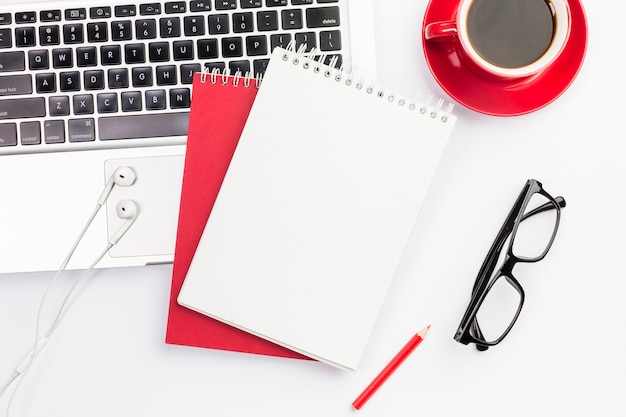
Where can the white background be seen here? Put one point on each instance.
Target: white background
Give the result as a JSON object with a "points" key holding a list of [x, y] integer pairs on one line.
{"points": [[564, 356]]}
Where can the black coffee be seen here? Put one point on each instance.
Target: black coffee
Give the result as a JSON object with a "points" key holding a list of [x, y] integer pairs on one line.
{"points": [[510, 33]]}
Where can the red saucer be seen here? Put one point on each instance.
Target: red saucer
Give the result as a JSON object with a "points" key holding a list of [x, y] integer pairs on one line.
{"points": [[503, 98]]}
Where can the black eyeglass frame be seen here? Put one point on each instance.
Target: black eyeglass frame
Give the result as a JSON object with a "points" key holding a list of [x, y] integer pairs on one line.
{"points": [[469, 329]]}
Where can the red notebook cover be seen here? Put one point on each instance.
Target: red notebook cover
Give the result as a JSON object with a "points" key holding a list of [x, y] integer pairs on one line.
{"points": [[219, 109]]}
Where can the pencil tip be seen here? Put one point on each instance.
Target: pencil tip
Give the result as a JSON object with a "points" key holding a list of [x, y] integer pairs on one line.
{"points": [[423, 332]]}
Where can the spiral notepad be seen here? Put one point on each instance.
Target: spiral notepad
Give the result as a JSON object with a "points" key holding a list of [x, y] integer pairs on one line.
{"points": [[210, 147], [316, 207]]}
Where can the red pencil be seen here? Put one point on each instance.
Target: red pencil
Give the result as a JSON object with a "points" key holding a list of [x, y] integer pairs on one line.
{"points": [[390, 368]]}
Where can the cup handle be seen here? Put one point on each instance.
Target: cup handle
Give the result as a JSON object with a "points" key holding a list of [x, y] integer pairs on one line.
{"points": [[440, 31]]}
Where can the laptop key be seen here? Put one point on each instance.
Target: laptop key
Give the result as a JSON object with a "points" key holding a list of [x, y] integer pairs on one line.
{"points": [[330, 40], [81, 130], [175, 7], [225, 4], [6, 18], [125, 11], [59, 105], [25, 36], [30, 133], [50, 15], [149, 9], [321, 17], [8, 134], [100, 12], [73, 33], [248, 4], [54, 131], [6, 39], [143, 126], [276, 3], [25, 17], [12, 61], [11, 85], [22, 108]]}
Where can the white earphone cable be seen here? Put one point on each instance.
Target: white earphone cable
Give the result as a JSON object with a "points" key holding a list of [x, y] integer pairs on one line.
{"points": [[67, 259], [24, 367], [38, 344], [126, 209]]}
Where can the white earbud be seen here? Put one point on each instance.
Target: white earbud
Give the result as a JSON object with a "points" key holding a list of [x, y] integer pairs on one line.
{"points": [[123, 176], [127, 210]]}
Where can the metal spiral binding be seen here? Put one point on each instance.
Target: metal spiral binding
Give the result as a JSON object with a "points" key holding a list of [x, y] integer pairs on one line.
{"points": [[224, 76], [314, 60]]}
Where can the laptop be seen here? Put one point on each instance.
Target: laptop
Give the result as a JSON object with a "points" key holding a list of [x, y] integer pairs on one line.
{"points": [[86, 89]]}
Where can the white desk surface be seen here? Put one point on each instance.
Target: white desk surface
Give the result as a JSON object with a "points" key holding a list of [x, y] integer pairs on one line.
{"points": [[564, 357]]}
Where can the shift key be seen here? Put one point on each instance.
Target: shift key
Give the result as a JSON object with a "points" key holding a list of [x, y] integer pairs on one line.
{"points": [[22, 108]]}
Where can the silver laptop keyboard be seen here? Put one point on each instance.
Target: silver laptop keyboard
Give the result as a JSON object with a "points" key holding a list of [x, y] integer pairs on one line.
{"points": [[119, 74]]}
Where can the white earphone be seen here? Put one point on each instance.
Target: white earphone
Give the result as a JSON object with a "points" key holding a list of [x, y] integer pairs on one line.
{"points": [[123, 177], [127, 210]]}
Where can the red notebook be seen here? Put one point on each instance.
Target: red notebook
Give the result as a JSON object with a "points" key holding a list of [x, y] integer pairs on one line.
{"points": [[219, 109]]}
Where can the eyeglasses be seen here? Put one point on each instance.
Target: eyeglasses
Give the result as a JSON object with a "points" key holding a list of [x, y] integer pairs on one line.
{"points": [[497, 297]]}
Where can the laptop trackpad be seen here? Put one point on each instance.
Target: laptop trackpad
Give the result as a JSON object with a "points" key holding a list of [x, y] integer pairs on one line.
{"points": [[157, 195]]}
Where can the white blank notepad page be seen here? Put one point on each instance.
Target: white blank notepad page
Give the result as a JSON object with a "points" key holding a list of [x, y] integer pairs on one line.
{"points": [[315, 211]]}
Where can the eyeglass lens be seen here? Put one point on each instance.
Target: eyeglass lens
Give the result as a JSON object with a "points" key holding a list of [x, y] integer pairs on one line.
{"points": [[535, 232], [498, 309]]}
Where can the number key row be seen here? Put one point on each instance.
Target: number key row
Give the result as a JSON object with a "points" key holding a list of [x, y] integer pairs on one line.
{"points": [[168, 27], [74, 33]]}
